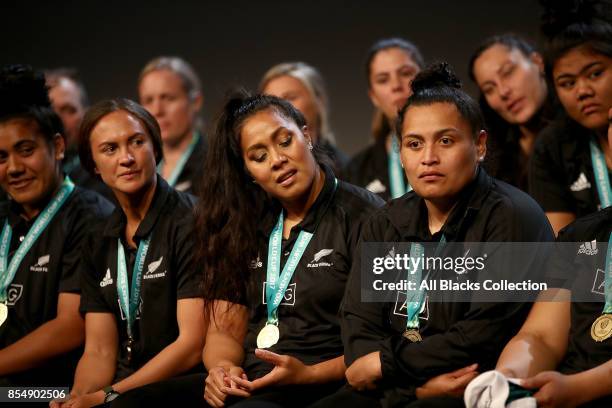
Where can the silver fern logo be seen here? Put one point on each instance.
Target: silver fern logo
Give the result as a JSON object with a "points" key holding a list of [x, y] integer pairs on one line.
{"points": [[152, 268], [316, 261]]}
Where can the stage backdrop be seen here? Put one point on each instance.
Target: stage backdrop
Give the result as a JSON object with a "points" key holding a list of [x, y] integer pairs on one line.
{"points": [[232, 43]]}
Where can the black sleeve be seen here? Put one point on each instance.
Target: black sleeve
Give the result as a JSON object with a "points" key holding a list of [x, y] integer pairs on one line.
{"points": [[362, 323], [91, 296], [546, 175], [187, 275]]}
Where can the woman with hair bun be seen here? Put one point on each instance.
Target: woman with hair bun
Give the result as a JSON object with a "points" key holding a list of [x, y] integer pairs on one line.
{"points": [[570, 169], [391, 64], [303, 86], [43, 226], [430, 351], [515, 100]]}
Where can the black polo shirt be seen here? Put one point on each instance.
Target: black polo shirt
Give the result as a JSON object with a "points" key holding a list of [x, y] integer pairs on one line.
{"points": [[190, 178], [308, 316], [561, 175], [454, 334], [370, 169], [505, 160], [49, 268], [583, 272], [168, 274]]}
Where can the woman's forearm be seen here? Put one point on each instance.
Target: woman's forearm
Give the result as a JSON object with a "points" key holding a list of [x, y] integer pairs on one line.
{"points": [[526, 355]]}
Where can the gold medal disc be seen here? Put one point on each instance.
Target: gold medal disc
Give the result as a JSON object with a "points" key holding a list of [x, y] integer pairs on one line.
{"points": [[413, 335], [3, 313], [268, 336], [602, 328]]}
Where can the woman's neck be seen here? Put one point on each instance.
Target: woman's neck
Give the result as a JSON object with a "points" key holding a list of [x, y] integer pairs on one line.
{"points": [[31, 210], [173, 153], [135, 207], [297, 209], [438, 212]]}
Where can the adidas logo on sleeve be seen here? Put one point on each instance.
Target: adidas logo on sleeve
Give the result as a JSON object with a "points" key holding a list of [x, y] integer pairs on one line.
{"points": [[588, 248], [580, 184]]}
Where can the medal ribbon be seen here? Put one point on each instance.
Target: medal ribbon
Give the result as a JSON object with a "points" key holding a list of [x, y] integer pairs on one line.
{"points": [[180, 165], [396, 173], [129, 299], [417, 299], [601, 175], [7, 273], [608, 279], [277, 285]]}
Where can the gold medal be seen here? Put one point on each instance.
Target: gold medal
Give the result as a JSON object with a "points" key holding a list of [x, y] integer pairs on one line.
{"points": [[3, 313], [602, 328], [413, 335], [268, 336]]}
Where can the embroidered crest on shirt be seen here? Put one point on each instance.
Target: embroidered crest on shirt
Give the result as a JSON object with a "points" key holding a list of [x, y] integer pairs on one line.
{"points": [[588, 248], [315, 263], [13, 293], [41, 264], [152, 268], [256, 263], [401, 306], [375, 186], [107, 280], [580, 184], [288, 298]]}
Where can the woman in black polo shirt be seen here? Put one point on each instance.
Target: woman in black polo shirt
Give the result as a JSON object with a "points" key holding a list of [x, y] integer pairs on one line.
{"points": [[43, 225], [398, 357], [283, 290], [570, 168], [515, 101], [143, 312], [391, 64], [564, 349]]}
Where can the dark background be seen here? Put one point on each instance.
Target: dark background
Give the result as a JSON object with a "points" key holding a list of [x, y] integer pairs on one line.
{"points": [[232, 43]]}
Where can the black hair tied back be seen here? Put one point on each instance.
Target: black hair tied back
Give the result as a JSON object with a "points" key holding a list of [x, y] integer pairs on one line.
{"points": [[436, 76], [21, 88]]}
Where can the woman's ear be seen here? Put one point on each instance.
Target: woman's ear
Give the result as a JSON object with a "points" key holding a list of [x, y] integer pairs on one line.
{"points": [[481, 144], [307, 137], [59, 145]]}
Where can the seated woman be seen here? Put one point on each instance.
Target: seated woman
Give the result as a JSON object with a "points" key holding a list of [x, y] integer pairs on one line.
{"points": [[564, 349], [391, 64], [43, 226], [570, 168], [277, 233], [169, 88], [396, 354], [303, 86], [144, 318], [515, 101]]}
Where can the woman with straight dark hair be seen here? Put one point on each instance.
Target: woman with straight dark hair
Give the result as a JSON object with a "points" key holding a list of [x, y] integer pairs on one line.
{"points": [[391, 64], [43, 226], [570, 169], [516, 103], [405, 350], [144, 318]]}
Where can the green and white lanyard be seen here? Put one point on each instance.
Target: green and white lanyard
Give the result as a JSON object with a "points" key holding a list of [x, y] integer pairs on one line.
{"points": [[130, 299], [399, 186], [415, 302], [9, 269], [277, 284], [601, 175], [180, 165]]}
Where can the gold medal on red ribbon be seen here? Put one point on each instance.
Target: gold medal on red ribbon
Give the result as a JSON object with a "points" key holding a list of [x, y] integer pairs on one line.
{"points": [[602, 328]]}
